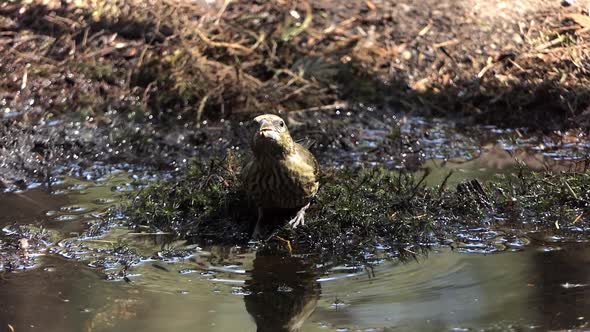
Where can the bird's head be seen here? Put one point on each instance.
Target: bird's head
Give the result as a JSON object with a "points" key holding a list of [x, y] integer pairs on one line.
{"points": [[272, 138]]}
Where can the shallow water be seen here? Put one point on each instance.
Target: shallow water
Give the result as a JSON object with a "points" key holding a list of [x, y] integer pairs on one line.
{"points": [[531, 289], [532, 283]]}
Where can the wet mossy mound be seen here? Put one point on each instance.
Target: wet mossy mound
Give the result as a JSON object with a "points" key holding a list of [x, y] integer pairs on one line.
{"points": [[204, 202], [556, 201], [366, 213]]}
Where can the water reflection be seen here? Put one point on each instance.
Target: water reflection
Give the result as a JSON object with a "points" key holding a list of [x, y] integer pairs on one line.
{"points": [[282, 292], [119, 309], [562, 281], [492, 159], [28, 206], [529, 289]]}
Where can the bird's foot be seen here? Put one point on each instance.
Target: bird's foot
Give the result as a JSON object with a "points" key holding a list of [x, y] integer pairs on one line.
{"points": [[299, 220]]}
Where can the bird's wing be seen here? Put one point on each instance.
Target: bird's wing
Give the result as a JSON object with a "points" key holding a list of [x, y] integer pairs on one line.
{"points": [[308, 158], [246, 168], [308, 143]]}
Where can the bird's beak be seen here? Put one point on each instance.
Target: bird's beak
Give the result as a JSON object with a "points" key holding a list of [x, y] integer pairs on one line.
{"points": [[265, 128]]}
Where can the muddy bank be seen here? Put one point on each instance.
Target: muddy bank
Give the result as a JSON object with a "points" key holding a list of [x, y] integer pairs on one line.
{"points": [[43, 153]]}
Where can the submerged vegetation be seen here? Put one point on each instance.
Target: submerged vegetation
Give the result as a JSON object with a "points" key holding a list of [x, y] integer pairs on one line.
{"points": [[367, 213], [19, 245]]}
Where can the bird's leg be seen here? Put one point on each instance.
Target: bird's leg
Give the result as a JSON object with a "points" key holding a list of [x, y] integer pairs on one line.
{"points": [[299, 218], [256, 233]]}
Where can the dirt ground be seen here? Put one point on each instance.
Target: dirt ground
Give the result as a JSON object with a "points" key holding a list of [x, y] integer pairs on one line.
{"points": [[517, 63]]}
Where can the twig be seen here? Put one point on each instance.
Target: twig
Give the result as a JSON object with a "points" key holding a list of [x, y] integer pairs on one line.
{"points": [[142, 57], [62, 21], [294, 93], [571, 190], [25, 77], [202, 108], [102, 241], [582, 20], [410, 251], [336, 105], [101, 52], [485, 69], [551, 43], [446, 43], [292, 74], [235, 46], [371, 5], [155, 233], [85, 37], [221, 67], [444, 183], [425, 29], [146, 93], [415, 189], [516, 65], [583, 46], [33, 57], [225, 4], [287, 35], [341, 25]]}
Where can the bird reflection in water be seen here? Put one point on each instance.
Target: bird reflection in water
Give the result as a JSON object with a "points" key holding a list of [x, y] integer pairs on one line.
{"points": [[282, 293]]}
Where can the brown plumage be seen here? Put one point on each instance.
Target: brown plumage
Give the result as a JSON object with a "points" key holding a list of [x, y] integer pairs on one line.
{"points": [[281, 174]]}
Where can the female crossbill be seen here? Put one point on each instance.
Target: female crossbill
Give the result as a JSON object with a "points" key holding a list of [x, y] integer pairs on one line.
{"points": [[281, 174]]}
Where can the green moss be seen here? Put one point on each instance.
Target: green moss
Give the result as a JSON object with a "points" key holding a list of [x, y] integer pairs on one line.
{"points": [[365, 214], [556, 200], [98, 71], [205, 202]]}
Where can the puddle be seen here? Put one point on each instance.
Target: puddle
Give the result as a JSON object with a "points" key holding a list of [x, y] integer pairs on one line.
{"points": [[449, 290]]}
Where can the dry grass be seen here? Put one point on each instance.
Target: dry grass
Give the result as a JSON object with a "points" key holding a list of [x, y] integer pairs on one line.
{"points": [[523, 66]]}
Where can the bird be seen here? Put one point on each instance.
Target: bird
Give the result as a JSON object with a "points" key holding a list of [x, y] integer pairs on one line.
{"points": [[281, 173]]}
